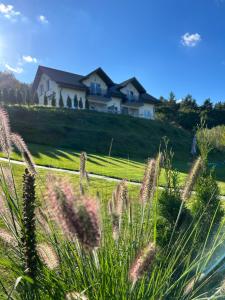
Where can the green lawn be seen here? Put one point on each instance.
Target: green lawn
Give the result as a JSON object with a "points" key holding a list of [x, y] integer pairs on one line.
{"points": [[104, 165]]}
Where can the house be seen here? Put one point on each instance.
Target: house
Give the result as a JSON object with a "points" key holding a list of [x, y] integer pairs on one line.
{"points": [[95, 91]]}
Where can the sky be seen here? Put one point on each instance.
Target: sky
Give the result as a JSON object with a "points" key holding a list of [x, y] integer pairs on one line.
{"points": [[168, 45]]}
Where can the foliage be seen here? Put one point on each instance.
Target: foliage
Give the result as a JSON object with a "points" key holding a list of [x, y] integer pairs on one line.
{"points": [[80, 103], [187, 113], [75, 101], [45, 100], [132, 265], [86, 103], [61, 104], [53, 100], [69, 102]]}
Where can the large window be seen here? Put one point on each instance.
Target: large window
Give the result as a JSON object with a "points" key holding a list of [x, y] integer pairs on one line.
{"points": [[95, 88]]}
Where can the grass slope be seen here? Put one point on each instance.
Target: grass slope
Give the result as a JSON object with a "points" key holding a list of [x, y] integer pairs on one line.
{"points": [[93, 132]]}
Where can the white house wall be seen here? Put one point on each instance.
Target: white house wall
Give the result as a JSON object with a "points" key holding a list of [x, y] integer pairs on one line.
{"points": [[95, 78], [129, 87], [116, 102], [71, 93], [147, 111]]}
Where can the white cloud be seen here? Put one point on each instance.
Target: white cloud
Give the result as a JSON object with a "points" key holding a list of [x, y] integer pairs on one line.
{"points": [[29, 59], [17, 70], [43, 19], [190, 40], [9, 12]]}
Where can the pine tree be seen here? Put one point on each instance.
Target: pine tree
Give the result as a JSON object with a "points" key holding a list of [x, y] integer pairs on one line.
{"points": [[27, 97], [75, 101], [86, 104], [53, 100], [45, 100], [19, 97], [61, 104], [5, 96], [12, 97], [69, 102], [80, 103], [35, 98]]}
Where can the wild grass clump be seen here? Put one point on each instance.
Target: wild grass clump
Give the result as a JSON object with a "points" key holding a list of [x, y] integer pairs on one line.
{"points": [[162, 244]]}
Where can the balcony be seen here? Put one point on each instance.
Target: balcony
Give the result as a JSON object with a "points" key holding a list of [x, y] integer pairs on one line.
{"points": [[98, 92]]}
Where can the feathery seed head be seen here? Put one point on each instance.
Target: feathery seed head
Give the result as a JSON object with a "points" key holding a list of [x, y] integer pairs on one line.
{"points": [[5, 141], [7, 238], [75, 215], [89, 232], [19, 143], [76, 296], [196, 168], [48, 255], [148, 180], [143, 261]]}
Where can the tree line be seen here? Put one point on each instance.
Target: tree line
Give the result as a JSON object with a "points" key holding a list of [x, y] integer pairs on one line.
{"points": [[187, 113]]}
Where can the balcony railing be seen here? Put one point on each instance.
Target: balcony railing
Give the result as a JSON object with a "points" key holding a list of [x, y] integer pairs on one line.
{"points": [[99, 92]]}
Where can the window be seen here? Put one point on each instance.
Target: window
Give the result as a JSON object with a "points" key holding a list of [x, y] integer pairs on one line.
{"points": [[147, 114], [95, 88], [130, 95]]}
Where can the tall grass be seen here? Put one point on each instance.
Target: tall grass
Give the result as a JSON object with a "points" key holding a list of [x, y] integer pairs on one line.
{"points": [[71, 245]]}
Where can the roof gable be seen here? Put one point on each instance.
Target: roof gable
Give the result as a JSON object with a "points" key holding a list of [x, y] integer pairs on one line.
{"points": [[102, 75], [63, 78], [134, 82]]}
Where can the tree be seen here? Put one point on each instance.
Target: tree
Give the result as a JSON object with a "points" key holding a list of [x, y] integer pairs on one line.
{"points": [[86, 104], [12, 96], [61, 104], [80, 103], [207, 105], [188, 104], [45, 100], [75, 101], [35, 98], [172, 97], [27, 97], [5, 96], [19, 97], [53, 103], [69, 102]]}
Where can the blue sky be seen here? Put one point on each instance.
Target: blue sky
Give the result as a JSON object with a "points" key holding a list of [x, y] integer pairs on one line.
{"points": [[176, 45]]}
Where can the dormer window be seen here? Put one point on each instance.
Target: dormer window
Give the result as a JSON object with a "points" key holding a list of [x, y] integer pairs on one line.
{"points": [[130, 95], [95, 88]]}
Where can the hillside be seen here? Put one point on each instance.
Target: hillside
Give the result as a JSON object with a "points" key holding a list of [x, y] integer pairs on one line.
{"points": [[93, 132]]}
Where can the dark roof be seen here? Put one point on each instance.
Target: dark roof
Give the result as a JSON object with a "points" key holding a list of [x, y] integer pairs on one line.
{"points": [[101, 74], [135, 83], [146, 98], [64, 79]]}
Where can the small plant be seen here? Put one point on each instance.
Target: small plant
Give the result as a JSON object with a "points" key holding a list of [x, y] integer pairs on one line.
{"points": [[61, 103], [69, 102], [45, 100]]}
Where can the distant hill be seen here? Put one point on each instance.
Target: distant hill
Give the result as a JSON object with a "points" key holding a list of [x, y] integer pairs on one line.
{"points": [[93, 132]]}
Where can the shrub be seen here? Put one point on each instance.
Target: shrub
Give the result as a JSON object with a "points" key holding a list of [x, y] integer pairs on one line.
{"points": [[69, 102], [61, 104], [81, 103]]}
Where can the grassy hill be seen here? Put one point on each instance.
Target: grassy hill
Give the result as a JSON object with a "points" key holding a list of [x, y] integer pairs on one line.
{"points": [[93, 132]]}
